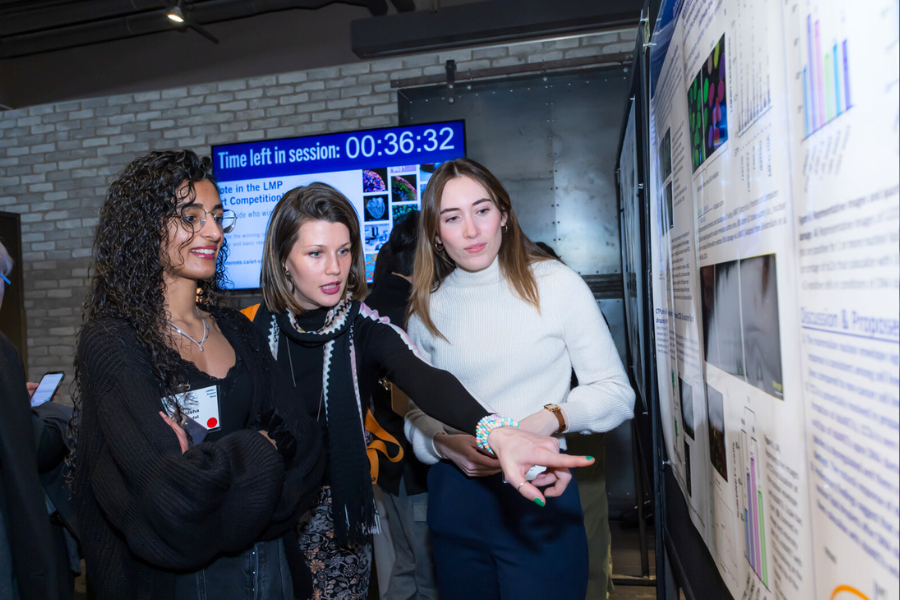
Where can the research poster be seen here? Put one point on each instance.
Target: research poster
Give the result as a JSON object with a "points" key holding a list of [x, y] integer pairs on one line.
{"points": [[775, 212]]}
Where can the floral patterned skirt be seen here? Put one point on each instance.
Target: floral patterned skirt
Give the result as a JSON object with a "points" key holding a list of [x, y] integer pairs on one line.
{"points": [[338, 572]]}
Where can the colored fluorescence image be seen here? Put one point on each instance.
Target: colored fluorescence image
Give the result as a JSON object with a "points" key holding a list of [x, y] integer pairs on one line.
{"points": [[403, 188], [399, 211], [716, 419], [374, 180], [707, 107], [665, 156], [376, 207], [370, 266], [687, 407]]}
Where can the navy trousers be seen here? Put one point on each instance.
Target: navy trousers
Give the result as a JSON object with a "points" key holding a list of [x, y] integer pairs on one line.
{"points": [[490, 543]]}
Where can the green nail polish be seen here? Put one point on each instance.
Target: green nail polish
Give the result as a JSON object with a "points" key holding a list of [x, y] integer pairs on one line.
{"points": [[589, 457], [539, 502]]}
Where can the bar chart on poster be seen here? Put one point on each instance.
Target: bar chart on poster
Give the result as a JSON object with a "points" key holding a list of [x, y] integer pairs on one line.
{"points": [[775, 246]]}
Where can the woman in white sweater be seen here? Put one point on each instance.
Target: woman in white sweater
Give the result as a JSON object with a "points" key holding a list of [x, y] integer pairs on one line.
{"points": [[511, 323]]}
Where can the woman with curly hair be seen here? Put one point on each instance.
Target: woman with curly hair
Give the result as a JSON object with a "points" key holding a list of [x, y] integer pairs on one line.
{"points": [[189, 468], [333, 350]]}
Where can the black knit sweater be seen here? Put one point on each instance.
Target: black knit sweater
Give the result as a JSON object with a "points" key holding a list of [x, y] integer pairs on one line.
{"points": [[147, 511]]}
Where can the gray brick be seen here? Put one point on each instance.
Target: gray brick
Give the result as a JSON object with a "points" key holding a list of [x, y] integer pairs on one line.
{"points": [[343, 125], [326, 116], [203, 88], [422, 60], [247, 136], [279, 90], [121, 119], [327, 73], [280, 111], [238, 105], [355, 113], [295, 120], [292, 77], [374, 99], [146, 96], [248, 94], [325, 95], [310, 86], [342, 82], [380, 121], [175, 93], [345, 103], [146, 116], [191, 101], [266, 81], [163, 124], [356, 90], [618, 48], [231, 86], [264, 102], [355, 69], [44, 109], [163, 104], [82, 114], [222, 97], [600, 38]]}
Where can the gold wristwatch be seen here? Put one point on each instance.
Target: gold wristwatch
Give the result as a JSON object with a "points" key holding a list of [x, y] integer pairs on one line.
{"points": [[557, 410]]}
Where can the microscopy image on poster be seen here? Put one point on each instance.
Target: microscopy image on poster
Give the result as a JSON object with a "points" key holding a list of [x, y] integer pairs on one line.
{"points": [[399, 211], [687, 407], [726, 319], [707, 107], [403, 188], [374, 180], [375, 236], [376, 207], [715, 405], [665, 156], [668, 216], [761, 331], [707, 300]]}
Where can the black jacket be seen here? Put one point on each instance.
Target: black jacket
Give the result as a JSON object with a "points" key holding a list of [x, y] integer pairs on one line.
{"points": [[21, 496], [390, 298], [145, 510]]}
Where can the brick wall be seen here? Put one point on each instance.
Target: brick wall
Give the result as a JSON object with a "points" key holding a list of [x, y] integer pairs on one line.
{"points": [[57, 159]]}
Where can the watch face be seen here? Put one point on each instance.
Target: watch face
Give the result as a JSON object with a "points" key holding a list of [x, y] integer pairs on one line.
{"points": [[551, 407]]}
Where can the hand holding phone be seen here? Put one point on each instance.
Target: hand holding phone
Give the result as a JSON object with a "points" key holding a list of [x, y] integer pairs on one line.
{"points": [[46, 388]]}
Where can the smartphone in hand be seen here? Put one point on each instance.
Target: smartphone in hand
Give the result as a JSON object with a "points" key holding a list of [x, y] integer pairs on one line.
{"points": [[46, 388]]}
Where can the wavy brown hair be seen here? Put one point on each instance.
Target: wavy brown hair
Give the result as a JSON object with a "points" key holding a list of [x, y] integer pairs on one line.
{"points": [[313, 202], [129, 259], [433, 265]]}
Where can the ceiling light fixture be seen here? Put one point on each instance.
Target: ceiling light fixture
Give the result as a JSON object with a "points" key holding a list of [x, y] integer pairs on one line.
{"points": [[175, 13]]}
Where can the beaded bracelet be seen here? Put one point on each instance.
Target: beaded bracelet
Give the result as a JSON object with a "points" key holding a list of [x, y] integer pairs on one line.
{"points": [[484, 428]]}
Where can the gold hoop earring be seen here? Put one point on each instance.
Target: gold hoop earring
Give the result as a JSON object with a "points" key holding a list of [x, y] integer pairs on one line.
{"points": [[438, 246]]}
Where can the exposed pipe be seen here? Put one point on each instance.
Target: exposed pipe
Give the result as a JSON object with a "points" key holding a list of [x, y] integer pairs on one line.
{"points": [[23, 38]]}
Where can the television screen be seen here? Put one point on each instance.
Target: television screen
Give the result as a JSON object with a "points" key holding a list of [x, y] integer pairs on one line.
{"points": [[381, 171]]}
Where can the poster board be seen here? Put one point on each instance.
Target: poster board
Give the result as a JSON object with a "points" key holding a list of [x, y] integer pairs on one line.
{"points": [[774, 216]]}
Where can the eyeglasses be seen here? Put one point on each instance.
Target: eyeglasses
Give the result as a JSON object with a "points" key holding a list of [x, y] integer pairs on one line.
{"points": [[6, 279], [193, 217]]}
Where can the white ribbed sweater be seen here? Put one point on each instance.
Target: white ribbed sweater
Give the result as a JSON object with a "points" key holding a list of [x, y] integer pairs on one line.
{"points": [[514, 359]]}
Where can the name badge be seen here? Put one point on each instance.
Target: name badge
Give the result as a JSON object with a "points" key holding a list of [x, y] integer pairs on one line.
{"points": [[202, 406]]}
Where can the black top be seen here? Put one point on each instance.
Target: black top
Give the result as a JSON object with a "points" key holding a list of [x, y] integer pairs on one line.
{"points": [[234, 392], [390, 298], [148, 511], [382, 350], [22, 506]]}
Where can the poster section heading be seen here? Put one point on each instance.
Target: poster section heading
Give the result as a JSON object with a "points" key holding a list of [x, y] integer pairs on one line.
{"points": [[336, 152]]}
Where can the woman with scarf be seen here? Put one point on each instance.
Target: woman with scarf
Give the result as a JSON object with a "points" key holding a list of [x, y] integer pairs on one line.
{"points": [[333, 349]]}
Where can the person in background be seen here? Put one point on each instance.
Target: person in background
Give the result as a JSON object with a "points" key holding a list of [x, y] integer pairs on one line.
{"points": [[405, 484], [29, 569], [334, 349], [512, 323], [181, 496]]}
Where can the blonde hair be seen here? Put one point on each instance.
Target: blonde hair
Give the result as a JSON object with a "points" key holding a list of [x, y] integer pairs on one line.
{"points": [[313, 202], [517, 252]]}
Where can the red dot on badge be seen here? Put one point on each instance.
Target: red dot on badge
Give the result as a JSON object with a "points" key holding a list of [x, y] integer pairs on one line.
{"points": [[211, 422]]}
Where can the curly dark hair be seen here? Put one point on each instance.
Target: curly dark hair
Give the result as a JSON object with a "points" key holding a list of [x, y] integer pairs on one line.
{"points": [[129, 258]]}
